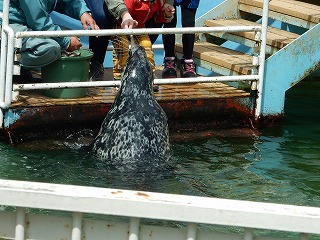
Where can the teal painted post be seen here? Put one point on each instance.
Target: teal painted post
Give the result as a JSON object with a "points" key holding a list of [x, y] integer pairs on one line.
{"points": [[287, 67]]}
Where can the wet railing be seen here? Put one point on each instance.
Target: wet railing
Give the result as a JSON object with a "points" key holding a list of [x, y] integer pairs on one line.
{"points": [[141, 211]]}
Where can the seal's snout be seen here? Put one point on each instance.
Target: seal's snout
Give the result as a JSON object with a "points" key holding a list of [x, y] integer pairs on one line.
{"points": [[138, 55], [133, 44], [136, 51], [133, 41]]}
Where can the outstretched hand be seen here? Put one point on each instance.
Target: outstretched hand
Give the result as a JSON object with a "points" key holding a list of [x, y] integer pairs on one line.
{"points": [[74, 44], [169, 11], [127, 21], [87, 20]]}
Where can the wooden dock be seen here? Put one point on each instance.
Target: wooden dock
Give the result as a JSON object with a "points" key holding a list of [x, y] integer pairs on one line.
{"points": [[189, 107], [194, 108]]}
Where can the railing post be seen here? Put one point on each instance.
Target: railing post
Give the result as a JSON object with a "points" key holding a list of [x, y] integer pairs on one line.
{"points": [[304, 236], [134, 228], [20, 223], [248, 234], [6, 70], [192, 231], [262, 56], [76, 226], [4, 48]]}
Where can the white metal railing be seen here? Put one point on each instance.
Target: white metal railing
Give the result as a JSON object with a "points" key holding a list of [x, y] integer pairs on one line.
{"points": [[17, 87], [110, 32], [137, 205], [262, 57], [8, 44]]}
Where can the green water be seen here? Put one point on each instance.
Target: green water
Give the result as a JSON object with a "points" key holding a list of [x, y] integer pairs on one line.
{"points": [[281, 165]]}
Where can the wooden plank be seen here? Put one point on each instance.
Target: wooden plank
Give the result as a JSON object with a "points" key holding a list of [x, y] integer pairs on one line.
{"points": [[278, 16], [221, 56], [276, 38], [305, 11], [29, 99]]}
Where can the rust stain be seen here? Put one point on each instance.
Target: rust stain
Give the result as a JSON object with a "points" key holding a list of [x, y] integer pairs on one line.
{"points": [[117, 192], [199, 108], [141, 194]]}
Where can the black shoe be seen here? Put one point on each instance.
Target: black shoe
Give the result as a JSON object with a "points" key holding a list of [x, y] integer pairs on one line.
{"points": [[96, 71], [169, 70], [155, 88], [24, 77], [187, 69]]}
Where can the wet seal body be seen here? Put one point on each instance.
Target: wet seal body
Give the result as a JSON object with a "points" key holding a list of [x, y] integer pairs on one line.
{"points": [[135, 131]]}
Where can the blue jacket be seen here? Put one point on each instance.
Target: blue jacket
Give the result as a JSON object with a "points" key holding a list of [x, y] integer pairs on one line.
{"points": [[35, 14], [193, 4]]}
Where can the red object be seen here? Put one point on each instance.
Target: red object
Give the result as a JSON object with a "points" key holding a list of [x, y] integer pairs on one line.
{"points": [[142, 10]]}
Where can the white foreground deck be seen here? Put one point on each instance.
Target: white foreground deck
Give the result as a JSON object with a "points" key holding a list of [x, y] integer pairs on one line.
{"points": [[89, 213]]}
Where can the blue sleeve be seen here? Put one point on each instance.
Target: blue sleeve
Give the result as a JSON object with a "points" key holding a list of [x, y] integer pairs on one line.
{"points": [[37, 17], [72, 8]]}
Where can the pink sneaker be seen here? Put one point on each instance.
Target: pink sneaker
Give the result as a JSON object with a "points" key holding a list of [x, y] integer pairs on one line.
{"points": [[187, 69], [169, 70]]}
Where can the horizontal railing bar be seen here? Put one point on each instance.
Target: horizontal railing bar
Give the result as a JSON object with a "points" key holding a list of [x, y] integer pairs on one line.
{"points": [[156, 46], [33, 86], [110, 32], [160, 206]]}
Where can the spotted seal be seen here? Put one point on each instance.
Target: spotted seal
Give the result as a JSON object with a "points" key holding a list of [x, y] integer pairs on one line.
{"points": [[135, 131]]}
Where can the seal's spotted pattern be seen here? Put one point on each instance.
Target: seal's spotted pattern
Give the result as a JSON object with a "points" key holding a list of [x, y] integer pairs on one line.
{"points": [[135, 130]]}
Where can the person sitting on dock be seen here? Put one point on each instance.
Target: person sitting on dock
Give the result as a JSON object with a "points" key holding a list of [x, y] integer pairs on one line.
{"points": [[25, 15]]}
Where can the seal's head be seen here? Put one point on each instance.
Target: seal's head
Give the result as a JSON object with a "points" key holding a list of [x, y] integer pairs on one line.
{"points": [[137, 77]]}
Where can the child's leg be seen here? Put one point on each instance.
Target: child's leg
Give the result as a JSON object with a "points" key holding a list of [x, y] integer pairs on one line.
{"points": [[169, 62], [169, 39], [119, 54], [116, 66], [187, 67], [152, 24], [144, 41], [188, 20]]}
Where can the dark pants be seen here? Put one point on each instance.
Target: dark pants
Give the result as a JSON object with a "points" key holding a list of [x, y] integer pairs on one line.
{"points": [[187, 20], [105, 20]]}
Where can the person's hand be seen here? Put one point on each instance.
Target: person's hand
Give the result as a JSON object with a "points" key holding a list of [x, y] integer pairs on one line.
{"points": [[127, 21], [87, 20], [168, 11], [74, 44]]}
